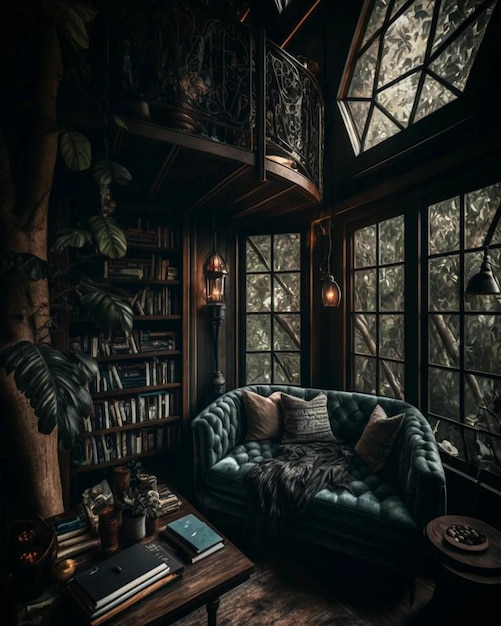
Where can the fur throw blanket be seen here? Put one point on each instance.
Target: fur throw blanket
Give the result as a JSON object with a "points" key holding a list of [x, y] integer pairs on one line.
{"points": [[285, 484]]}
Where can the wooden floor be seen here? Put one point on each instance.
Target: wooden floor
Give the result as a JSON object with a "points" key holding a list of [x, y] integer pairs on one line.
{"points": [[379, 597]]}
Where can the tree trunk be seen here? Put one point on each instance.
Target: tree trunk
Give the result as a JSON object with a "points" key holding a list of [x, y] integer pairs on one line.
{"points": [[28, 149]]}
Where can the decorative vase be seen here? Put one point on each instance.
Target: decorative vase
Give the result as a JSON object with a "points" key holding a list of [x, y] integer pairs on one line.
{"points": [[133, 526], [121, 478]]}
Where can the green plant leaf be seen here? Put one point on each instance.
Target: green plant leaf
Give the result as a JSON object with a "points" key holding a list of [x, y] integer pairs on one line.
{"points": [[110, 238], [73, 238], [75, 149], [110, 309], [119, 122], [75, 28], [120, 174], [106, 172], [55, 384]]}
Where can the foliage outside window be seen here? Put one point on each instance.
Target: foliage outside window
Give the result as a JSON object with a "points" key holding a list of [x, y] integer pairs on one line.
{"points": [[410, 58], [378, 308], [273, 307], [464, 334]]}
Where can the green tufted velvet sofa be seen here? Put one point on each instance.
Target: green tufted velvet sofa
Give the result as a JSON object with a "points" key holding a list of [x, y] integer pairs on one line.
{"points": [[381, 517]]}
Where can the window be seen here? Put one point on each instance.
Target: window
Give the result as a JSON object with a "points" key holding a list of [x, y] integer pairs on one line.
{"points": [[273, 309], [378, 308], [410, 58], [452, 343], [464, 335]]}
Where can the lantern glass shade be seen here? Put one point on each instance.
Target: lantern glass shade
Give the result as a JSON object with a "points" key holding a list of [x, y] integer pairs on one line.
{"points": [[331, 292], [215, 273]]}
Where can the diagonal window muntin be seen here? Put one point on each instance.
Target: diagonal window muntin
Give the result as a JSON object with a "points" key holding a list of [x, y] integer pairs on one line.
{"points": [[412, 58]]}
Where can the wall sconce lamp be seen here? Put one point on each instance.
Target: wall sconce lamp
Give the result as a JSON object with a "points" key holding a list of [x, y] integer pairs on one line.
{"points": [[331, 291], [484, 282], [215, 273]]}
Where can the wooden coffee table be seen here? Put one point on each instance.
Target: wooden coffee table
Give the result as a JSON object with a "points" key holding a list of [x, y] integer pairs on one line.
{"points": [[468, 578], [202, 583]]}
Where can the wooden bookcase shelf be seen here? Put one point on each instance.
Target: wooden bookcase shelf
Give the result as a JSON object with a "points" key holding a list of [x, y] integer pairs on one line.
{"points": [[138, 394]]}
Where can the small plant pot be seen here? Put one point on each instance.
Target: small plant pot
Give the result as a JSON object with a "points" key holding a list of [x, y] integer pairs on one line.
{"points": [[133, 526]]}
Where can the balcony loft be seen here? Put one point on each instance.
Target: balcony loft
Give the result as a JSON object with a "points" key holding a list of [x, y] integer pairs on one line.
{"points": [[230, 120]]}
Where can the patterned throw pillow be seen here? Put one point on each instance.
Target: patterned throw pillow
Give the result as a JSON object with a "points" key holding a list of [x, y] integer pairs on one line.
{"points": [[306, 420], [264, 415], [376, 441]]}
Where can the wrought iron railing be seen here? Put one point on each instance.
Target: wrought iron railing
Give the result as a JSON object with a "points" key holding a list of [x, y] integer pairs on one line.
{"points": [[221, 80]]}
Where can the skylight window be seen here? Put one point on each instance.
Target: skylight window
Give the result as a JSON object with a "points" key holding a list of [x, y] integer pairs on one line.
{"points": [[409, 59]]}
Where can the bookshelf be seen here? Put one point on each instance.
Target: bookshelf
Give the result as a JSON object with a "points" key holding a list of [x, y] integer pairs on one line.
{"points": [[138, 393]]}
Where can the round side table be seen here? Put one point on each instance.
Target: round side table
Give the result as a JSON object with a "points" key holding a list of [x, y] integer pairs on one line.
{"points": [[467, 577]]}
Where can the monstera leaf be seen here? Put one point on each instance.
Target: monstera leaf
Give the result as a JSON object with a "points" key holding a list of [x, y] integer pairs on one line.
{"points": [[72, 238], [110, 238], [55, 384], [32, 266], [110, 309]]}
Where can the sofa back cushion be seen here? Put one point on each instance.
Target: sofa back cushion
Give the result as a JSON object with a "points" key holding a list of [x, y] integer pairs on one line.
{"points": [[306, 420], [376, 441], [264, 415]]}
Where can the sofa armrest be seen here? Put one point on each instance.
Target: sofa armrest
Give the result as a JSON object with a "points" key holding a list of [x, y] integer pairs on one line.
{"points": [[420, 470], [216, 430]]}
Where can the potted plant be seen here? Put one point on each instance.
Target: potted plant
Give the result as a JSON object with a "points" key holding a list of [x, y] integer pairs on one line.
{"points": [[138, 505]]}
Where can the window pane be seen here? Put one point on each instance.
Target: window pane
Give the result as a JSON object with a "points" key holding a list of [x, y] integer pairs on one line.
{"points": [[449, 438], [258, 253], [287, 252], [444, 283], [391, 288], [391, 336], [443, 339], [259, 292], [286, 368], [481, 391], [365, 290], [391, 379], [258, 368], [286, 292], [365, 374], [365, 334], [391, 240], [483, 342], [365, 246], [480, 208], [258, 332], [286, 332], [443, 220], [444, 392]]}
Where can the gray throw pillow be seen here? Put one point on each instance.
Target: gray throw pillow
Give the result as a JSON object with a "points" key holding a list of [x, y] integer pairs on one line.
{"points": [[378, 436], [306, 420], [264, 415]]}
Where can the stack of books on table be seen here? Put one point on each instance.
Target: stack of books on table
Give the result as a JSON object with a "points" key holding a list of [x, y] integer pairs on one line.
{"points": [[193, 537], [169, 501], [119, 581], [74, 533]]}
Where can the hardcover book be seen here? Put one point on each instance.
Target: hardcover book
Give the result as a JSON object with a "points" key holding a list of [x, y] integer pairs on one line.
{"points": [[194, 532], [116, 575]]}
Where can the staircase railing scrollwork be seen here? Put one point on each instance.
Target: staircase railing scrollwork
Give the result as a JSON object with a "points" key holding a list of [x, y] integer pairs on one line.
{"points": [[199, 74]]}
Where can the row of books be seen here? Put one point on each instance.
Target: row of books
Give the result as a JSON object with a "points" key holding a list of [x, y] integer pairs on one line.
{"points": [[105, 447], [102, 591], [153, 267], [156, 301], [114, 413], [158, 236], [137, 342], [129, 375]]}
